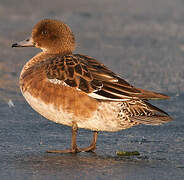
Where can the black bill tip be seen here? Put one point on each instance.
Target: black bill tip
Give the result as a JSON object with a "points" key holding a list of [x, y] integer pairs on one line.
{"points": [[15, 45]]}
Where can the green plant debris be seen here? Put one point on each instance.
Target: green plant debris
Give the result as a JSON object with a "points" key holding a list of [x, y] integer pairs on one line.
{"points": [[127, 153]]}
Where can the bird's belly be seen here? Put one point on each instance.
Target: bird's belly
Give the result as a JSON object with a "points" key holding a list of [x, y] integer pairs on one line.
{"points": [[49, 111], [103, 119]]}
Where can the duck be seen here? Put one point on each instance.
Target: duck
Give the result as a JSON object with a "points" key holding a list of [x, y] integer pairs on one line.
{"points": [[77, 90]]}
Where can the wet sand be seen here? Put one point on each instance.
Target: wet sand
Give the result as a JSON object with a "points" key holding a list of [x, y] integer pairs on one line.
{"points": [[143, 41]]}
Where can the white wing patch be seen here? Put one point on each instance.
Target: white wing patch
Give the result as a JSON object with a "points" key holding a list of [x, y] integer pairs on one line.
{"points": [[93, 94], [57, 81], [96, 96], [114, 80]]}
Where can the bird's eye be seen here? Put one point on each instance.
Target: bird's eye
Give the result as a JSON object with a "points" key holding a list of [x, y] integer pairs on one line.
{"points": [[44, 32]]}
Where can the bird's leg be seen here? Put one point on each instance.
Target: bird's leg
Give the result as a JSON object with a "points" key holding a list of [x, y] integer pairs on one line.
{"points": [[74, 148], [92, 147]]}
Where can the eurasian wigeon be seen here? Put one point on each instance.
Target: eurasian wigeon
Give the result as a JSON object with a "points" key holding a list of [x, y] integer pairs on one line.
{"points": [[78, 91]]}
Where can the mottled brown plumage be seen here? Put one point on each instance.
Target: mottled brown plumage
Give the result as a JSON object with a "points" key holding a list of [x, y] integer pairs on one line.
{"points": [[78, 91]]}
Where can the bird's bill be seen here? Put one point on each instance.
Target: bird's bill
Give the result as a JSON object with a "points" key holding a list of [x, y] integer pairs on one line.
{"points": [[28, 42]]}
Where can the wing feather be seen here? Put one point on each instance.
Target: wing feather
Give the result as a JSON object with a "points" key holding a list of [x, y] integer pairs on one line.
{"points": [[88, 75]]}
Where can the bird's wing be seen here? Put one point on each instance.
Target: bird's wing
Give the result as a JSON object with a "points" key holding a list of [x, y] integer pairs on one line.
{"points": [[88, 75]]}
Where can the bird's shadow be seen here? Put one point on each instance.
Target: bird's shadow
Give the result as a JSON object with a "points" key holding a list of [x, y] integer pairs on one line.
{"points": [[82, 162]]}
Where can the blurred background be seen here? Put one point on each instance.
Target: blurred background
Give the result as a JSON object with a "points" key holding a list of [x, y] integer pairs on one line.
{"points": [[143, 41]]}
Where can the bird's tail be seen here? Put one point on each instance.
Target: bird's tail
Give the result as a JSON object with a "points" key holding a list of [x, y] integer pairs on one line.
{"points": [[143, 112]]}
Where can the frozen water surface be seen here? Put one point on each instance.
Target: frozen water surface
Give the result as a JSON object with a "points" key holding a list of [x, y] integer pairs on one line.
{"points": [[143, 41]]}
